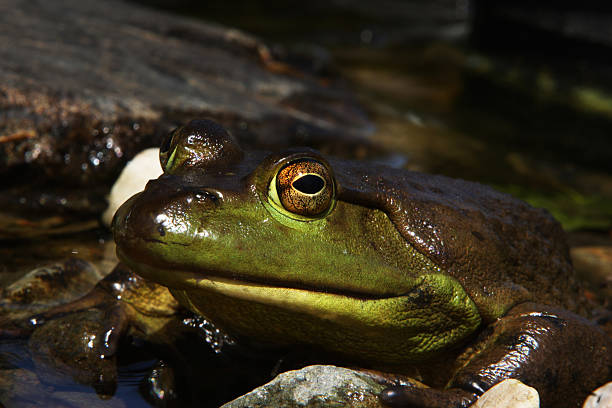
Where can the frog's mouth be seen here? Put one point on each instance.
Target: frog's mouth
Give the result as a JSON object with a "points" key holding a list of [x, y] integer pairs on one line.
{"points": [[232, 284], [323, 303], [288, 298], [436, 313]]}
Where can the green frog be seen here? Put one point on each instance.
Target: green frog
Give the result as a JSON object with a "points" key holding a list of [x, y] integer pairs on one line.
{"points": [[406, 272]]}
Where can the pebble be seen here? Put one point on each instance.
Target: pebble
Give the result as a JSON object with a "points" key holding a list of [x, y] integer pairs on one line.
{"points": [[600, 398], [135, 175], [509, 393]]}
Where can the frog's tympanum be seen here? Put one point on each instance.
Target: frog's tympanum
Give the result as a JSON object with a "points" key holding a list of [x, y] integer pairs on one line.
{"points": [[390, 268]]}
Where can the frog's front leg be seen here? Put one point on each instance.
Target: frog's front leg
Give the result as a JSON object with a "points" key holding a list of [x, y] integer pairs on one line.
{"points": [[562, 355]]}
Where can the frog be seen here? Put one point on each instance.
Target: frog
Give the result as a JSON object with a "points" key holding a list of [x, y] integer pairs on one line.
{"points": [[446, 279]]}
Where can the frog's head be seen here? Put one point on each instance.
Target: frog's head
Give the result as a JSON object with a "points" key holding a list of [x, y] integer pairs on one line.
{"points": [[266, 245], [221, 212]]}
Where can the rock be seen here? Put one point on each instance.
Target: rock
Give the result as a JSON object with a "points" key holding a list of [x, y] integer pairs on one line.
{"points": [[133, 178], [21, 387], [52, 284], [509, 393], [314, 386], [160, 387], [71, 399], [600, 398], [84, 86], [47, 286], [594, 263]]}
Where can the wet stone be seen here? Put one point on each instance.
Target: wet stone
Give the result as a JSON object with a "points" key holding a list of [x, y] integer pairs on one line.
{"points": [[87, 85], [46, 287], [52, 284], [314, 386], [21, 387], [594, 263], [84, 399], [160, 385]]}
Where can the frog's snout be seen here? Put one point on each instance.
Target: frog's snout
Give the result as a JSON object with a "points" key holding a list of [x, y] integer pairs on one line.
{"points": [[162, 213]]}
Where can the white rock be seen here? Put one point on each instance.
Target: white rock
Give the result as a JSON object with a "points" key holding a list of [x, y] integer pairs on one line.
{"points": [[509, 393], [133, 178], [600, 398]]}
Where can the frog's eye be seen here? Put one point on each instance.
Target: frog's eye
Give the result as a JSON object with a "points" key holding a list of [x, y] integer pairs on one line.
{"points": [[305, 187], [200, 144]]}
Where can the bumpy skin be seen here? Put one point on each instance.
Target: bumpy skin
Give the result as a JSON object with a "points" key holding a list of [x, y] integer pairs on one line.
{"points": [[502, 250], [397, 270]]}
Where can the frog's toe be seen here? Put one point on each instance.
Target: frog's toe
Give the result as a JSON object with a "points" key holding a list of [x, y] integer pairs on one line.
{"points": [[96, 298], [114, 326], [406, 396]]}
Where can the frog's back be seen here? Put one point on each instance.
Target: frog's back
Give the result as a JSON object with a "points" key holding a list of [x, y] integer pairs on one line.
{"points": [[501, 249]]}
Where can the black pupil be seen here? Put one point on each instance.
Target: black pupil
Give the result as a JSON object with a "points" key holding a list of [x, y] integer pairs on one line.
{"points": [[309, 184]]}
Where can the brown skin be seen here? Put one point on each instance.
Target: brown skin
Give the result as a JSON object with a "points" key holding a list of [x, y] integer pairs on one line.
{"points": [[555, 351], [502, 250], [515, 253], [505, 255]]}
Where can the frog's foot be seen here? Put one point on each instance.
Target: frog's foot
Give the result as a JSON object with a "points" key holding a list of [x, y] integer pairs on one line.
{"points": [[560, 354], [78, 341], [407, 396], [96, 298], [113, 326], [110, 310], [22, 327], [78, 347]]}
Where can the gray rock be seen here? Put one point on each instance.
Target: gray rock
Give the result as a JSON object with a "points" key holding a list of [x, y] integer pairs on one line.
{"points": [[84, 86], [314, 386], [47, 286]]}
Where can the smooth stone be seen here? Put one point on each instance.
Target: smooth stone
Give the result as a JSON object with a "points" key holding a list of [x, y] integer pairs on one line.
{"points": [[600, 398], [133, 178], [594, 263], [509, 393], [86, 85]]}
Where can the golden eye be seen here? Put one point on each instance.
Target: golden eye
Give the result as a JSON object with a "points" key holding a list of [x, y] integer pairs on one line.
{"points": [[305, 187]]}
